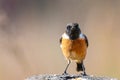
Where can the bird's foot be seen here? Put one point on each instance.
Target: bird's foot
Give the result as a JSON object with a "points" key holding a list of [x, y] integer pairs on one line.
{"points": [[65, 73], [84, 74]]}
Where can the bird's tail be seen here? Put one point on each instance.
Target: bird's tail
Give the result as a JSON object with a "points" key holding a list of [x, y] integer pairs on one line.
{"points": [[79, 67]]}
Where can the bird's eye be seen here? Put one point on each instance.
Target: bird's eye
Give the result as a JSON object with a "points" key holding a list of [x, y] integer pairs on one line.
{"points": [[76, 25], [69, 27]]}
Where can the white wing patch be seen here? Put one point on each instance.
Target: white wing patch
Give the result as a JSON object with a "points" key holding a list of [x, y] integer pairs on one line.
{"points": [[65, 36], [81, 36]]}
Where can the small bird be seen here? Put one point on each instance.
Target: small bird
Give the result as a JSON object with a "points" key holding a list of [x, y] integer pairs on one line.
{"points": [[74, 46]]}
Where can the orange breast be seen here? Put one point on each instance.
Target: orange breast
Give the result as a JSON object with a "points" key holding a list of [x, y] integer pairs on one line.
{"points": [[74, 49]]}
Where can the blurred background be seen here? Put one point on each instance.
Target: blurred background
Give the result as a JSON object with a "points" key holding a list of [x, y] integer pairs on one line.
{"points": [[30, 32]]}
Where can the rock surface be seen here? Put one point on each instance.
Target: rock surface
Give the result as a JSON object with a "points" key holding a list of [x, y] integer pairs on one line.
{"points": [[67, 77]]}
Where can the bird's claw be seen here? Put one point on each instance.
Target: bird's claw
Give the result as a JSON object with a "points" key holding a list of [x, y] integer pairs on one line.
{"points": [[84, 74], [65, 73]]}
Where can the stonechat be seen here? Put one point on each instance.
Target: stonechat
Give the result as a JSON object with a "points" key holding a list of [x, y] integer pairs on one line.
{"points": [[74, 46]]}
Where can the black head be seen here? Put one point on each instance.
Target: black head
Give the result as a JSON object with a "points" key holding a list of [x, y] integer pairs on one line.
{"points": [[73, 30]]}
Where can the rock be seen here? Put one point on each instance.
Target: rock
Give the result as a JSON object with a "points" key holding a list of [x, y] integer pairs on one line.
{"points": [[67, 77]]}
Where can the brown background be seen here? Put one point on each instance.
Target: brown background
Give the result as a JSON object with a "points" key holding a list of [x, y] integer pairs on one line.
{"points": [[30, 32]]}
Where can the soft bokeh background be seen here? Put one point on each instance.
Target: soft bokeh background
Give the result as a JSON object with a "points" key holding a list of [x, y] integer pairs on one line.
{"points": [[30, 32]]}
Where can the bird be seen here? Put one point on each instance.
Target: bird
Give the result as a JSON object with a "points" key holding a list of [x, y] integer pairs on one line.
{"points": [[74, 46]]}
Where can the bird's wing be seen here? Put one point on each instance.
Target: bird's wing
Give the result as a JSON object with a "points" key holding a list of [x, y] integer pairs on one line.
{"points": [[86, 40], [60, 40]]}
